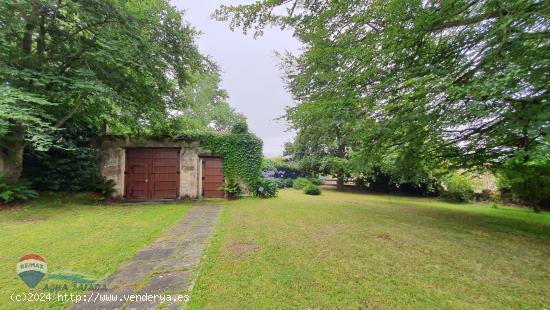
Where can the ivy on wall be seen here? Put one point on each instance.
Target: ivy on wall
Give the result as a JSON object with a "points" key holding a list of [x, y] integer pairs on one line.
{"points": [[242, 155]]}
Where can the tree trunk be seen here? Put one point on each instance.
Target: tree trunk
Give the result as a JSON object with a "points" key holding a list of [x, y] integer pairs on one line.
{"points": [[340, 181], [30, 24], [11, 156]]}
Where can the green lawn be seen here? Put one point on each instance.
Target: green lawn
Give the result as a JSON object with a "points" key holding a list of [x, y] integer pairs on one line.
{"points": [[75, 234], [346, 250]]}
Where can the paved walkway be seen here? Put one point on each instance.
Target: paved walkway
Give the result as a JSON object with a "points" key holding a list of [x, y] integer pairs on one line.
{"points": [[164, 267]]}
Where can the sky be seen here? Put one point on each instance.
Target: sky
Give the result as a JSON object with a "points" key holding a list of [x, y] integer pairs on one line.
{"points": [[250, 69]]}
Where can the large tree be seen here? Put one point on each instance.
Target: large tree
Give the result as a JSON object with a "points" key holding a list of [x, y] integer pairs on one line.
{"points": [[208, 107], [121, 65], [463, 83]]}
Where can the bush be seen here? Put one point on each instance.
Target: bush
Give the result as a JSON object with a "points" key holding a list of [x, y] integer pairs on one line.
{"points": [[283, 183], [289, 183], [300, 183], [315, 181], [361, 183], [231, 188], [69, 166], [459, 188], [267, 188], [240, 127], [105, 187], [526, 182], [312, 189], [15, 191]]}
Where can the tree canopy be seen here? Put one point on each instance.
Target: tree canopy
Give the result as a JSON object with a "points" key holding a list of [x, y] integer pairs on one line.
{"points": [[111, 65], [424, 84]]}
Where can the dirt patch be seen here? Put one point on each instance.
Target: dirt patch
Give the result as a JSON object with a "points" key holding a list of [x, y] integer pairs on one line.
{"points": [[243, 248], [383, 237]]}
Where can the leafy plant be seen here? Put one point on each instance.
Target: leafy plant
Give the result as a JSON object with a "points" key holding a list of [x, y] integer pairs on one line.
{"points": [[312, 189], [283, 183], [419, 85], [241, 152], [459, 188], [240, 127], [98, 63], [315, 181], [300, 183], [70, 169], [361, 183], [15, 191], [527, 181], [231, 188], [267, 189], [105, 187]]}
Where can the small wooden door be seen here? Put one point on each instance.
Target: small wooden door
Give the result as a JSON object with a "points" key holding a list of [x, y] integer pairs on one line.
{"points": [[151, 173], [212, 177]]}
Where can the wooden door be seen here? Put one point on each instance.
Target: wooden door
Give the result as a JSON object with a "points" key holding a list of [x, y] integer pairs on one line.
{"points": [[212, 177], [151, 173]]}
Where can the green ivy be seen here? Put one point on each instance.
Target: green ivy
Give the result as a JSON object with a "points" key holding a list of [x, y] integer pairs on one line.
{"points": [[242, 155]]}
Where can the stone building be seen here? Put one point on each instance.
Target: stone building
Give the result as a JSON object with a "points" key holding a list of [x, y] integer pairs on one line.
{"points": [[160, 169]]}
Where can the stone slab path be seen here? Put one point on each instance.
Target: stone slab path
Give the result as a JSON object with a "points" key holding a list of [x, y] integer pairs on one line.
{"points": [[164, 267]]}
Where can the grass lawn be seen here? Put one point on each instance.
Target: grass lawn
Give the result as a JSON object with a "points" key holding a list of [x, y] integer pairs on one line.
{"points": [[348, 250], [75, 234]]}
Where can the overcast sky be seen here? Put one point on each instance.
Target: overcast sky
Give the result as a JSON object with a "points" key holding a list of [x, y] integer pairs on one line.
{"points": [[250, 71]]}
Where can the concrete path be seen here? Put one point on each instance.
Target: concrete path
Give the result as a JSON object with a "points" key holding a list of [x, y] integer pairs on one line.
{"points": [[165, 267]]}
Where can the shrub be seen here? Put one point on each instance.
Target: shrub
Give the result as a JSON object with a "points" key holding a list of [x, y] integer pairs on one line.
{"points": [[62, 170], [105, 187], [289, 183], [15, 191], [526, 182], [231, 188], [459, 188], [69, 166], [312, 189], [240, 127], [361, 183], [315, 181], [300, 183], [283, 183], [267, 188]]}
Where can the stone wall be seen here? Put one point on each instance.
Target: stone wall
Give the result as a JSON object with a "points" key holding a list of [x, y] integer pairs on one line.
{"points": [[113, 155]]}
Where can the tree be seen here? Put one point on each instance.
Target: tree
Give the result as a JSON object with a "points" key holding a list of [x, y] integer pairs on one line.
{"points": [[120, 65], [207, 107], [527, 180], [428, 83]]}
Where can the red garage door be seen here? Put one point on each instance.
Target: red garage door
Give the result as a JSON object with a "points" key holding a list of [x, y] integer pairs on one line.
{"points": [[212, 177], [152, 173]]}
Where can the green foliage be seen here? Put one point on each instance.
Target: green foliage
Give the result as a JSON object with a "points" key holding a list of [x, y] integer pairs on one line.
{"points": [[62, 170], [379, 181], [114, 66], [242, 155], [300, 183], [207, 108], [527, 181], [105, 188], [459, 188], [231, 188], [267, 188], [414, 86], [15, 191], [361, 183], [283, 183], [281, 168], [312, 190], [240, 127], [315, 181]]}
